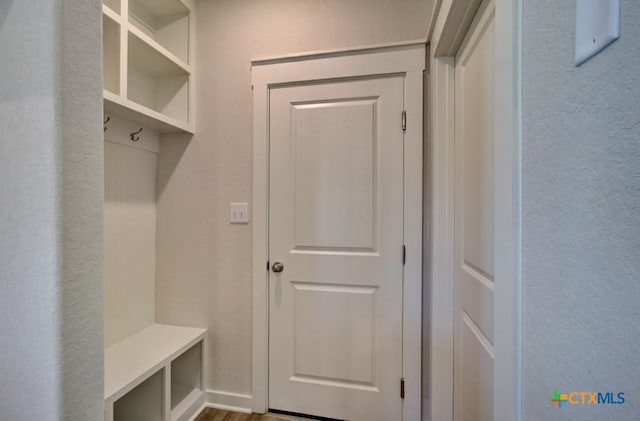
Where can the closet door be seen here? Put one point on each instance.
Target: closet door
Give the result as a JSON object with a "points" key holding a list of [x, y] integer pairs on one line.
{"points": [[335, 246]]}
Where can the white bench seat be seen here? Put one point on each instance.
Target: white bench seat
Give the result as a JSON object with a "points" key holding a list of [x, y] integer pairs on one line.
{"points": [[130, 362]]}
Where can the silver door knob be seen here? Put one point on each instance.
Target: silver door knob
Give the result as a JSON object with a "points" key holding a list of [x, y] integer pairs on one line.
{"points": [[277, 267]]}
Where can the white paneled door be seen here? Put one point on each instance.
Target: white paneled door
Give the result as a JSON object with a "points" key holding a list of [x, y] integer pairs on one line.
{"points": [[335, 248], [474, 221]]}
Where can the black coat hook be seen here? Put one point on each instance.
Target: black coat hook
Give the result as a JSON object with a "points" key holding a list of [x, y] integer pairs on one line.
{"points": [[105, 122], [134, 135]]}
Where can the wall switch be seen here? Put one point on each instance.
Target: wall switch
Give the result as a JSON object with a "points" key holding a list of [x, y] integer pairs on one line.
{"points": [[597, 26], [239, 213]]}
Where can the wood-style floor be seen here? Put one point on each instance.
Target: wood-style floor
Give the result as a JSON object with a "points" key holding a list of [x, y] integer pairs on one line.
{"points": [[212, 414]]}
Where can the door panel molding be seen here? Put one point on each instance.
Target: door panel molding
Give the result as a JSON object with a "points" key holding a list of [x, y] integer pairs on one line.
{"points": [[407, 59]]}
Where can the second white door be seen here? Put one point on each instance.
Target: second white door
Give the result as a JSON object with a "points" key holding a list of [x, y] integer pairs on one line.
{"points": [[474, 221], [336, 249]]}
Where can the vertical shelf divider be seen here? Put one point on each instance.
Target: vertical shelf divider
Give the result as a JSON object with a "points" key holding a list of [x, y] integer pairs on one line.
{"points": [[166, 401], [124, 49]]}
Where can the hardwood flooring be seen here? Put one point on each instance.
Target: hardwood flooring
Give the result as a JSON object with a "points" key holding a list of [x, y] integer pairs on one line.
{"points": [[212, 414]]}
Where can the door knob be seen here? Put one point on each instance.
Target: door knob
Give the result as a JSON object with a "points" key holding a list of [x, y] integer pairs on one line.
{"points": [[277, 267]]}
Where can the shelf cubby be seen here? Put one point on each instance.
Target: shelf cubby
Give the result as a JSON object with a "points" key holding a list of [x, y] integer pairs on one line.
{"points": [[113, 5], [157, 82], [110, 54], [186, 378], [143, 403], [164, 21]]}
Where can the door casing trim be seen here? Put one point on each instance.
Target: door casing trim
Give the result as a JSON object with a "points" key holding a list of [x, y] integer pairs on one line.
{"points": [[408, 59], [452, 22]]}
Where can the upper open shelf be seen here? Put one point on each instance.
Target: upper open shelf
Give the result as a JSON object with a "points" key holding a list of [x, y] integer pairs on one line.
{"points": [[146, 54], [164, 21], [147, 62], [114, 5], [147, 117]]}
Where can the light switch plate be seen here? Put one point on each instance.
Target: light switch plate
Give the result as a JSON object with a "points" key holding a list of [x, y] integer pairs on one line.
{"points": [[597, 25], [239, 213]]}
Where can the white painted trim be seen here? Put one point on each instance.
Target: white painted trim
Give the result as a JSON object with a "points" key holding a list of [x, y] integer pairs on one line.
{"points": [[442, 238], [230, 408], [260, 343], [229, 401], [398, 60], [507, 314], [200, 409], [217, 406], [412, 294], [314, 55], [432, 22], [507, 382], [406, 59], [191, 411], [456, 17]]}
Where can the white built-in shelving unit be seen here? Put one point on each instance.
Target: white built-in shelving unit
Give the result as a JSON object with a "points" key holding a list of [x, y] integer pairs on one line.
{"points": [[153, 372], [148, 62]]}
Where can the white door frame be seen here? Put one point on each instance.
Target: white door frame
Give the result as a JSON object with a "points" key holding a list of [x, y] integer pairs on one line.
{"points": [[451, 24], [406, 59]]}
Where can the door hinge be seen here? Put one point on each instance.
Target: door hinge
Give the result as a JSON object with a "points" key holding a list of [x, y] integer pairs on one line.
{"points": [[404, 120], [404, 254], [402, 388]]}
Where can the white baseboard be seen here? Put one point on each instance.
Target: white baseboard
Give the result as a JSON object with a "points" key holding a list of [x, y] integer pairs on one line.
{"points": [[202, 408], [426, 409], [192, 411], [229, 401]]}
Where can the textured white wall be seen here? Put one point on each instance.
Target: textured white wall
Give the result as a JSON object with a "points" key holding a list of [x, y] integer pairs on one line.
{"points": [[204, 263], [29, 223], [581, 215], [80, 201], [50, 211]]}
